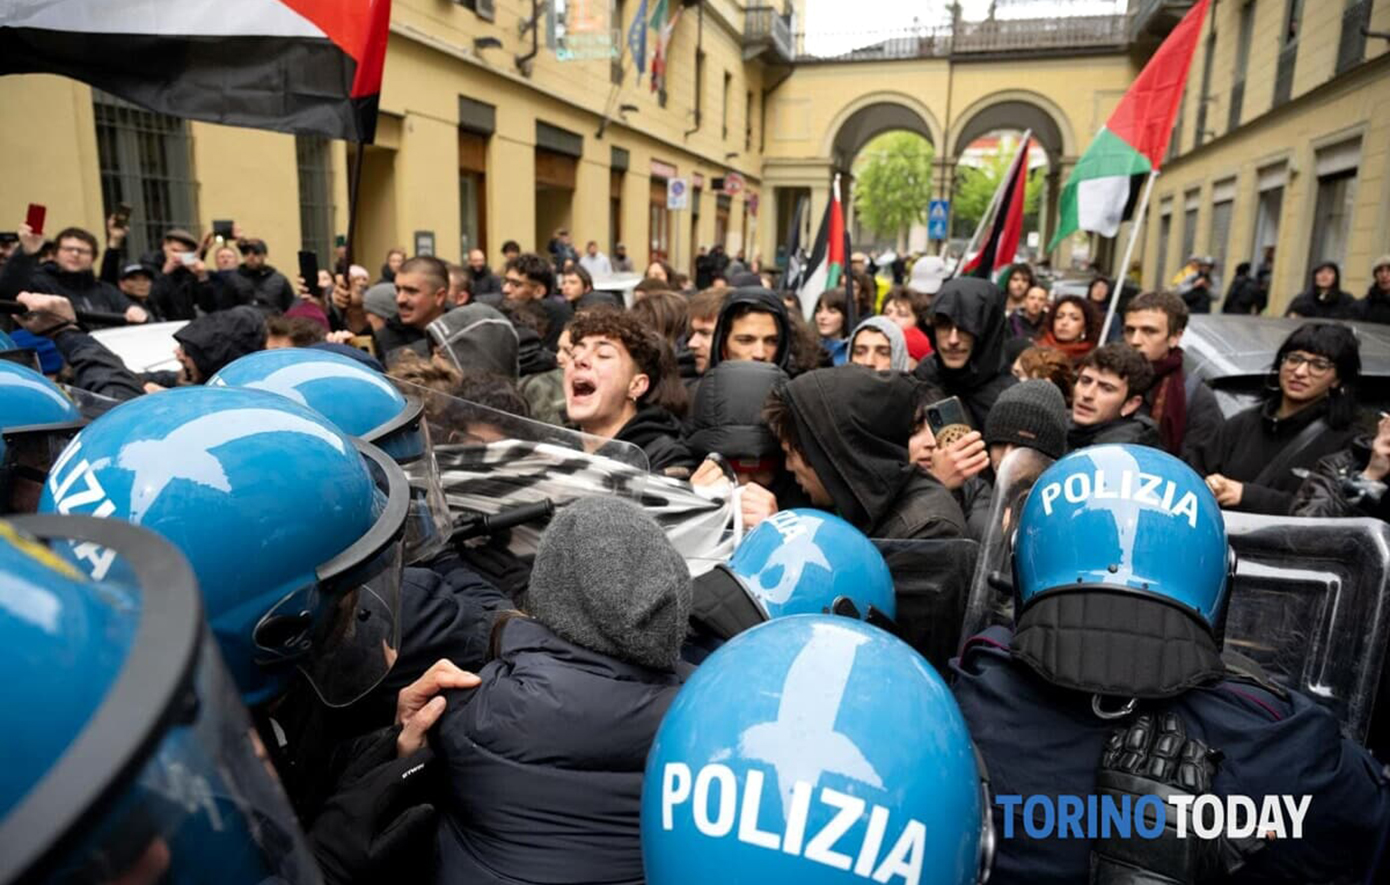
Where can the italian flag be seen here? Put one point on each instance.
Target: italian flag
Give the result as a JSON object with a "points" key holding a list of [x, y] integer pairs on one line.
{"points": [[1104, 186], [827, 266]]}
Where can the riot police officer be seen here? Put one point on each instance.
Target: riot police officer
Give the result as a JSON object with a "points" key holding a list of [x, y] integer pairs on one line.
{"points": [[133, 759], [1121, 585]]}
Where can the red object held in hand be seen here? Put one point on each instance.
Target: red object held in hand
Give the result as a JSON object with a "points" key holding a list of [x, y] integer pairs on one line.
{"points": [[35, 217]]}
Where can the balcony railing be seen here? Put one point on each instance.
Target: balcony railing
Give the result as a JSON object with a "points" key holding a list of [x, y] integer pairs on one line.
{"points": [[1283, 74], [765, 30], [1153, 19], [983, 37]]}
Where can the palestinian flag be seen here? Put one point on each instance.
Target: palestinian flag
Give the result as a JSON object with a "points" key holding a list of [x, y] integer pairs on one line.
{"points": [[1000, 243], [311, 66], [829, 262], [1104, 187]]}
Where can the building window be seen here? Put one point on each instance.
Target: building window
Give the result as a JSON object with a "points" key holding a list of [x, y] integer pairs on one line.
{"points": [[728, 80], [1219, 237], [1247, 31], [659, 221], [1204, 100], [1288, 53], [1336, 169], [472, 192], [1268, 210], [615, 68], [1191, 203], [146, 161], [748, 121], [1351, 48], [312, 154], [1175, 142], [1165, 230]]}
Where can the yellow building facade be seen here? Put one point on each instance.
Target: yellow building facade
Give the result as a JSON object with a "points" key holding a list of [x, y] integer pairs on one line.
{"points": [[1283, 141], [486, 135]]}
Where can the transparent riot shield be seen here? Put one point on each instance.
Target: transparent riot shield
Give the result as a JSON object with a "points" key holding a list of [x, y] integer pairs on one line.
{"points": [[931, 580], [490, 461], [991, 590], [1311, 606]]}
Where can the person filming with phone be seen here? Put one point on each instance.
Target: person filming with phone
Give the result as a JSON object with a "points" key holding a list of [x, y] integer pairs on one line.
{"points": [[183, 284], [69, 274]]}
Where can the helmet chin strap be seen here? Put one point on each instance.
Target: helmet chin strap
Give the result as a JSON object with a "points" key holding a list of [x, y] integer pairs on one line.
{"points": [[1121, 713]]}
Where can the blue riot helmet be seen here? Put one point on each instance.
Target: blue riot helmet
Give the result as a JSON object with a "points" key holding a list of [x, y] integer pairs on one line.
{"points": [[37, 419], [796, 562], [815, 749], [1114, 536], [363, 403], [294, 529], [143, 765]]}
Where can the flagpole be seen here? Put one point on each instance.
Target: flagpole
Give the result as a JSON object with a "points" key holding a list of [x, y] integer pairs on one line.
{"points": [[354, 190], [1118, 287], [988, 217]]}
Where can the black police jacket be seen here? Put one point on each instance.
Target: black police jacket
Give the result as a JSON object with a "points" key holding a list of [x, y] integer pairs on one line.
{"points": [[1038, 739], [544, 764]]}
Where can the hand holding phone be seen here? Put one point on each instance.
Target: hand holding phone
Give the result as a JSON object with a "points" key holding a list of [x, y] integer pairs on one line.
{"points": [[948, 421], [188, 258], [309, 271], [35, 218]]}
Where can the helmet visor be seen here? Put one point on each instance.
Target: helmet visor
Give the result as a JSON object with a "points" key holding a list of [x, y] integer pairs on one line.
{"points": [[26, 457], [343, 632], [168, 771]]}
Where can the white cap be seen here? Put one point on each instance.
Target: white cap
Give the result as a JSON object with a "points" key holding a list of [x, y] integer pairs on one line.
{"points": [[927, 275]]}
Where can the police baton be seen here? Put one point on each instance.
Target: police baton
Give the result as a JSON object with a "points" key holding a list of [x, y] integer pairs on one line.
{"points": [[86, 317]]}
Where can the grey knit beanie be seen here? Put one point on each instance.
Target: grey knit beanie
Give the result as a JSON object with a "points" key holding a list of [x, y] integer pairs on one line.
{"points": [[381, 300], [897, 345], [606, 578], [1032, 414]]}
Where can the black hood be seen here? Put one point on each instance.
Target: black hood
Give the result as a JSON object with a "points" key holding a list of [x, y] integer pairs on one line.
{"points": [[1336, 287], [476, 336], [728, 413], [215, 340], [975, 306], [764, 300], [853, 425], [256, 274], [532, 356]]}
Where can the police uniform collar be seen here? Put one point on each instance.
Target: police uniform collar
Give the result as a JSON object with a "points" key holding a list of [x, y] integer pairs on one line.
{"points": [[1116, 642]]}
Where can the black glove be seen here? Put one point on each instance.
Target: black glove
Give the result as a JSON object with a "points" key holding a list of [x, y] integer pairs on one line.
{"points": [[1154, 755], [380, 824]]}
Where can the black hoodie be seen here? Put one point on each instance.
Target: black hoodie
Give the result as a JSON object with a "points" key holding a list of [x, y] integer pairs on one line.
{"points": [[764, 300], [657, 433], [975, 306], [215, 340], [1329, 304], [852, 427]]}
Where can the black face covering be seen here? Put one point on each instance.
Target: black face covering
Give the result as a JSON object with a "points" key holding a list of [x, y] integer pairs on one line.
{"points": [[1114, 642]]}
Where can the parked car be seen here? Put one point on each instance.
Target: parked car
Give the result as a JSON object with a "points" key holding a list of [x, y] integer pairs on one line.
{"points": [[1233, 356], [148, 347]]}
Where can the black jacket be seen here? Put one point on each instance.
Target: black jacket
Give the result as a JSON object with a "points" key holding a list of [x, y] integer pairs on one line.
{"points": [[1330, 304], [396, 335], [1038, 739], [23, 273], [1245, 297], [657, 433], [544, 764], [977, 307], [728, 414], [852, 427], [1204, 415], [180, 295], [1335, 488], [95, 368], [265, 288], [558, 314], [1133, 430], [766, 301], [1252, 439], [1375, 307], [484, 282]]}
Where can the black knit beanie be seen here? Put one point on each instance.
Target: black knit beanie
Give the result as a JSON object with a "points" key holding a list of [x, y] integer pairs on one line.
{"points": [[1032, 414]]}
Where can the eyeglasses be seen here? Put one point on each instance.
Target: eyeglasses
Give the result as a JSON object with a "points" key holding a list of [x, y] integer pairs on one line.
{"points": [[1316, 364], [76, 250]]}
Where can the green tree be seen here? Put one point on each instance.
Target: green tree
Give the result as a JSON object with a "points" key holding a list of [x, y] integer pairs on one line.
{"points": [[975, 187], [892, 183]]}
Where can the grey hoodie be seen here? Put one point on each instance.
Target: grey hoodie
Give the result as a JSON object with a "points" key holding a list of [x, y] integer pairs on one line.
{"points": [[894, 334], [478, 337]]}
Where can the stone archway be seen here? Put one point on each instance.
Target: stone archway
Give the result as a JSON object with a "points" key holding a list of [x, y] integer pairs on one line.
{"points": [[1021, 110], [871, 115]]}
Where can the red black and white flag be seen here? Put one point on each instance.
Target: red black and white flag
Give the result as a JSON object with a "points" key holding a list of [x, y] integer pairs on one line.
{"points": [[309, 66], [1000, 239]]}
